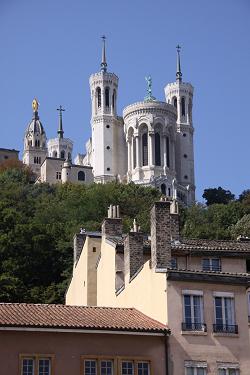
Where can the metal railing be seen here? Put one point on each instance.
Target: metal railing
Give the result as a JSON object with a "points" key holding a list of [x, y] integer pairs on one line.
{"points": [[187, 326], [225, 328]]}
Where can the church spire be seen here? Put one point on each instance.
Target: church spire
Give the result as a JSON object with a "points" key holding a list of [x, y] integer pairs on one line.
{"points": [[178, 68], [104, 62], [60, 127]]}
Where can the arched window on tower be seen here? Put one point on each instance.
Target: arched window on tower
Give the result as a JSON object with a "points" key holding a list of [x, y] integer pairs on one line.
{"points": [[81, 176], [99, 97], [163, 189], [113, 99], [69, 156], [183, 111], [168, 153], [175, 102], [134, 153], [54, 154], [35, 143], [190, 110], [157, 149], [62, 154], [107, 97], [145, 149]]}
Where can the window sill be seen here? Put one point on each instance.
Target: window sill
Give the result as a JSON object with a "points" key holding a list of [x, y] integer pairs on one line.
{"points": [[225, 334], [194, 333]]}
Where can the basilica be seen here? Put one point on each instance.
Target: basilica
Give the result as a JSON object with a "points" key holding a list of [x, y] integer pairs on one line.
{"points": [[151, 144]]}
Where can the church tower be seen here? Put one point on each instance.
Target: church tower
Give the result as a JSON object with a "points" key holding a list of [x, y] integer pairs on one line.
{"points": [[180, 95], [35, 149], [60, 147], [108, 140]]}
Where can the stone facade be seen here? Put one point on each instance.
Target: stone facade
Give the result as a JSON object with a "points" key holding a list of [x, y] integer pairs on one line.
{"points": [[7, 154]]}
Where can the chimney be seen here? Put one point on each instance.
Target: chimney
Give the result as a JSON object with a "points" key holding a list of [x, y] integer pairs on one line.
{"points": [[112, 225], [79, 240], [133, 251], [164, 230]]}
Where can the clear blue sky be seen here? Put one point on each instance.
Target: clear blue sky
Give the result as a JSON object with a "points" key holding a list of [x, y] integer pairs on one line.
{"points": [[50, 48]]}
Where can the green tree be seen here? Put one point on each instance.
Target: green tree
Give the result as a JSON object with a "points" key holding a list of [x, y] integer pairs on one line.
{"points": [[217, 195]]}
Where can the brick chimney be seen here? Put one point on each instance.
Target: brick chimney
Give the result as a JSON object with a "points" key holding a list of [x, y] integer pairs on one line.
{"points": [[79, 240], [112, 225], [133, 251], [164, 230]]}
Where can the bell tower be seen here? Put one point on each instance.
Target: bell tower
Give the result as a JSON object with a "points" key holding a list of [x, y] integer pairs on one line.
{"points": [[107, 129], [180, 95]]}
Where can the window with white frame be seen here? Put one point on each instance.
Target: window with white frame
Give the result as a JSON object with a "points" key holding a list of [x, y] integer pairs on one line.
{"points": [[36, 365], [224, 313], [143, 368], [211, 264], [127, 368], [228, 369], [195, 368], [101, 366], [193, 310], [106, 367]]}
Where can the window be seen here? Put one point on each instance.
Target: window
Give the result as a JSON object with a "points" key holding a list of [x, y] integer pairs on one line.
{"points": [[36, 365], [143, 368], [190, 110], [113, 99], [175, 102], [111, 366], [69, 155], [185, 156], [183, 112], [224, 314], [195, 368], [127, 368], [107, 96], [157, 149], [134, 153], [107, 126], [58, 175], [108, 169], [106, 367], [145, 149], [62, 154], [228, 369], [211, 264], [81, 176], [99, 97], [163, 189], [174, 263], [186, 177], [193, 311], [90, 367], [108, 147], [167, 150]]}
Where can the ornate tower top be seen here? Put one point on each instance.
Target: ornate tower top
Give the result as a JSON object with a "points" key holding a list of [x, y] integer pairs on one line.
{"points": [[178, 68], [35, 105], [149, 97], [60, 127], [104, 62]]}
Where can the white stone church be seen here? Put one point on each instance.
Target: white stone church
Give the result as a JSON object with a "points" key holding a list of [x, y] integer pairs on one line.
{"points": [[151, 144]]}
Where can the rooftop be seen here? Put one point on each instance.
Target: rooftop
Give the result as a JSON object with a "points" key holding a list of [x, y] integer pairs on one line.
{"points": [[77, 317]]}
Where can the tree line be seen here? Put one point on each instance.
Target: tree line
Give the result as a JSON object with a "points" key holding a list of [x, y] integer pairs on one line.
{"points": [[38, 221]]}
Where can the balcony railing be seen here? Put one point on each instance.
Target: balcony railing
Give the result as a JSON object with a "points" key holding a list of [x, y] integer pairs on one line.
{"points": [[225, 328], [194, 327], [211, 268]]}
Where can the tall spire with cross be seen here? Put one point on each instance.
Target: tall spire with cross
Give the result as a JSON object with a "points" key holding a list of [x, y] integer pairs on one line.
{"points": [[104, 62], [178, 68], [60, 127]]}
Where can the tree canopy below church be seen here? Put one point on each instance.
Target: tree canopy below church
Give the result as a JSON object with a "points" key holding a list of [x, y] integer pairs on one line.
{"points": [[38, 221]]}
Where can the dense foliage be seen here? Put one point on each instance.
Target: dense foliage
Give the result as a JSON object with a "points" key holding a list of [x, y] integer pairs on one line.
{"points": [[38, 221]]}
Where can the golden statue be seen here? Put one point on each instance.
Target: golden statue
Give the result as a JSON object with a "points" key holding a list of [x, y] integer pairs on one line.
{"points": [[35, 105]]}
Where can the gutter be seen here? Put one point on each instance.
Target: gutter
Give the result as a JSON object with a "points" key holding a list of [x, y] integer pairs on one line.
{"points": [[70, 330]]}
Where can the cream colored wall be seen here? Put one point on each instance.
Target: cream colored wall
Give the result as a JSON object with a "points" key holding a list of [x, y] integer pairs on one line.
{"points": [[106, 276], [227, 264], [49, 169], [82, 288], [147, 293], [207, 347]]}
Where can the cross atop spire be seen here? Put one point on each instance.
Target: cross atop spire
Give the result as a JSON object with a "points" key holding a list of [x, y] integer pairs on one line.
{"points": [[178, 68], [60, 127], [104, 62]]}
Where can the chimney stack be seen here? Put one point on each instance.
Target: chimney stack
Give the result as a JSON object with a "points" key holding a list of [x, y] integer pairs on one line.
{"points": [[133, 250], [112, 225], [164, 230], [79, 240]]}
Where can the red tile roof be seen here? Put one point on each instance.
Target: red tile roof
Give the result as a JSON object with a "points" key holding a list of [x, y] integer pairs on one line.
{"points": [[77, 317]]}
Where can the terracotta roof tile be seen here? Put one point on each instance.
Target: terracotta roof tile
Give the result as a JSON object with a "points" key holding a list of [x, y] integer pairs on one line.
{"points": [[77, 317]]}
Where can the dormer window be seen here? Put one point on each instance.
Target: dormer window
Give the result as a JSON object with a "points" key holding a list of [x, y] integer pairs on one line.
{"points": [[211, 264]]}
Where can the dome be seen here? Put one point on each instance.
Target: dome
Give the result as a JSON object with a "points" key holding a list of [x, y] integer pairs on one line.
{"points": [[35, 126]]}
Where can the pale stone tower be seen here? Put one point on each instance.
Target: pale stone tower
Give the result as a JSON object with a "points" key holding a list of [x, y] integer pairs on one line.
{"points": [[35, 149], [108, 140], [60, 147], [180, 94]]}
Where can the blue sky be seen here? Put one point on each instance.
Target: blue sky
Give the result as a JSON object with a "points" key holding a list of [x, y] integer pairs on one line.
{"points": [[50, 48]]}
